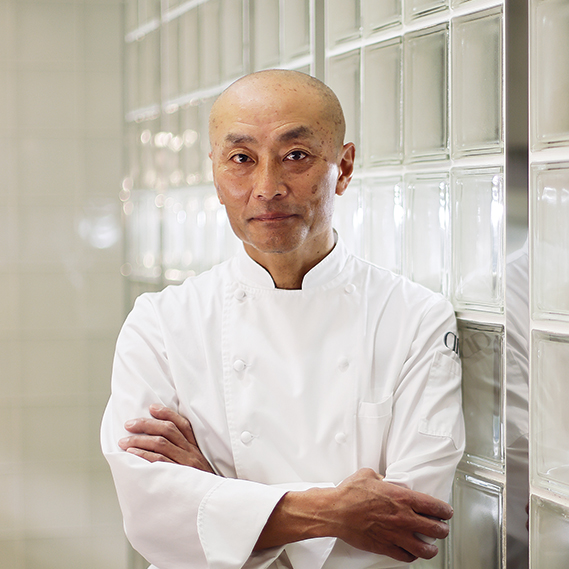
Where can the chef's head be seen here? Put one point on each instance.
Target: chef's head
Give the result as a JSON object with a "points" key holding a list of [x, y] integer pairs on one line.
{"points": [[279, 158]]}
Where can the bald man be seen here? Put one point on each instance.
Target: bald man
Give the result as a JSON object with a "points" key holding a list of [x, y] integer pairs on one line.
{"points": [[295, 406]]}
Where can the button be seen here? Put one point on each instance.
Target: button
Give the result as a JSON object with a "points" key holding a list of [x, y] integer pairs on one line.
{"points": [[239, 294], [341, 438], [343, 365], [349, 289], [246, 437], [239, 365]]}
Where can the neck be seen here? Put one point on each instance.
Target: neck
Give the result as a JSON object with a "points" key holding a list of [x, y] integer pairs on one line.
{"points": [[288, 269]]}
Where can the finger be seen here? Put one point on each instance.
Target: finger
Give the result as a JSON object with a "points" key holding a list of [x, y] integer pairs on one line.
{"points": [[167, 414], [155, 444], [431, 507], [160, 428], [147, 455], [431, 527], [398, 553], [418, 548]]}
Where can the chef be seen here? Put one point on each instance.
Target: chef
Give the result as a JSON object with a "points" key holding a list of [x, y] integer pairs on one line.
{"points": [[295, 406]]}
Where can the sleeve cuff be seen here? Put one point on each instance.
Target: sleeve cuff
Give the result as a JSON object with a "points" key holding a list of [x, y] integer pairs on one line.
{"points": [[231, 517]]}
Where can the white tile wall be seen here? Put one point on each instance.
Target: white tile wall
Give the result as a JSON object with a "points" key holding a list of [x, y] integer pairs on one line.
{"points": [[61, 293]]}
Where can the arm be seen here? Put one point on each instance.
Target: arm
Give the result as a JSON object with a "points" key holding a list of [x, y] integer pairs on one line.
{"points": [[364, 511]]}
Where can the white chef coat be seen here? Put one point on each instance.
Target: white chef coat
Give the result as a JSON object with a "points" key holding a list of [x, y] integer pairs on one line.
{"points": [[285, 390]]}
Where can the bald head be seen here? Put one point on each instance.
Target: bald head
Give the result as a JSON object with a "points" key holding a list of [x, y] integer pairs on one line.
{"points": [[272, 87]]}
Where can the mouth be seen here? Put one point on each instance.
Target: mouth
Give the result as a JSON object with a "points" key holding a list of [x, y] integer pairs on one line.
{"points": [[273, 216]]}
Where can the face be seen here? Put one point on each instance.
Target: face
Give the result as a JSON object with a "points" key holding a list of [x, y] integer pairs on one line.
{"points": [[277, 166]]}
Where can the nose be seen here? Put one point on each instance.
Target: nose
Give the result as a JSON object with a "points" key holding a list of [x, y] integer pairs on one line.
{"points": [[268, 181]]}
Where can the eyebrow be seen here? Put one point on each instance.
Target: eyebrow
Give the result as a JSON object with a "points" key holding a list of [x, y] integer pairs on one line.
{"points": [[239, 138], [297, 132]]}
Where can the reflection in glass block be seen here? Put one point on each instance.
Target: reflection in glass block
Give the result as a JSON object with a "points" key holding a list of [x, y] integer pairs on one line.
{"points": [[189, 47], [549, 420], [149, 69], [203, 110], [170, 69], [550, 257], [148, 10], [296, 41], [417, 8], [382, 126], [190, 151], [477, 82], [130, 15], [131, 84], [209, 44], [377, 15], [428, 247], [481, 352], [147, 132], [549, 534], [426, 87], [478, 238], [143, 235], [476, 525], [344, 80], [384, 211], [265, 33], [348, 217], [232, 64], [342, 20], [549, 72]]}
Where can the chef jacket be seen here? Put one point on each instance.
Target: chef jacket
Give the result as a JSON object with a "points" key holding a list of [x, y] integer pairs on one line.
{"points": [[285, 390]]}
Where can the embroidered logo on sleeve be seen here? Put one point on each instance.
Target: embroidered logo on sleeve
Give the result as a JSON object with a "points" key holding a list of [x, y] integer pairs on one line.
{"points": [[452, 342]]}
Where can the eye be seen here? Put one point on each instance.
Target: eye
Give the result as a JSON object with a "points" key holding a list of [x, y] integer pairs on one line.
{"points": [[295, 155], [240, 158]]}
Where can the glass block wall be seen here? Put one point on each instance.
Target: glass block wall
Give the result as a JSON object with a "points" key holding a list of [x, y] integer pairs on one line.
{"points": [[422, 84], [549, 283]]}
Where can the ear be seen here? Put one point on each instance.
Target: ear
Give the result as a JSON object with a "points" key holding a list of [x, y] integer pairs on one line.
{"points": [[346, 160]]}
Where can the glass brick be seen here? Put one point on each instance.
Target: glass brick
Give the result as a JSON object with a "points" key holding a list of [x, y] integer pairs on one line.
{"points": [[382, 128], [132, 79], [147, 132], [189, 47], [477, 524], [149, 69], [232, 64], [477, 83], [378, 15], [348, 217], [549, 72], [417, 8], [426, 94], [148, 10], [143, 235], [344, 80], [478, 239], [428, 247], [131, 15], [384, 215], [342, 21], [190, 152], [171, 71], [296, 38], [209, 43], [549, 420], [481, 351], [549, 531], [266, 34], [550, 255]]}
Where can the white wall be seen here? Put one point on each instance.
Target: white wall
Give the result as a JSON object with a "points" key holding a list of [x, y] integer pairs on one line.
{"points": [[61, 300]]}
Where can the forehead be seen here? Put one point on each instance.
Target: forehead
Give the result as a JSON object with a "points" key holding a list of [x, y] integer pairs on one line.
{"points": [[282, 114]]}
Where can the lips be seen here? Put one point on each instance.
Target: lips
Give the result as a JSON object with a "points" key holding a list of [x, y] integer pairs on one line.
{"points": [[273, 216]]}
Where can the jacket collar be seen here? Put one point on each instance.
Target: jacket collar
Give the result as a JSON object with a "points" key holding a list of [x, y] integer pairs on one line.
{"points": [[330, 267]]}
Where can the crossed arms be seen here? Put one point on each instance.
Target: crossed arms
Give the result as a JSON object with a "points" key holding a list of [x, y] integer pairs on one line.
{"points": [[363, 511]]}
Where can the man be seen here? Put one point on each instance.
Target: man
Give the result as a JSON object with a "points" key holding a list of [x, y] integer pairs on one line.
{"points": [[298, 396]]}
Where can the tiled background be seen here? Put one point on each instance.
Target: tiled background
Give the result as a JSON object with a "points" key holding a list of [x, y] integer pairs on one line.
{"points": [[61, 295]]}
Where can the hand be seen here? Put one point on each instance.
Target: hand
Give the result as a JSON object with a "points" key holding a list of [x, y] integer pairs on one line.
{"points": [[168, 437], [384, 518]]}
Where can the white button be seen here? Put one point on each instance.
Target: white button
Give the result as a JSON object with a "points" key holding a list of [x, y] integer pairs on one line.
{"points": [[349, 289], [341, 438], [343, 365], [239, 294], [239, 365], [246, 437]]}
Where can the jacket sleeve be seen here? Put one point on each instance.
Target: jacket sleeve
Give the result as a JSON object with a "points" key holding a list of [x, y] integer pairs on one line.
{"points": [[426, 439], [175, 516]]}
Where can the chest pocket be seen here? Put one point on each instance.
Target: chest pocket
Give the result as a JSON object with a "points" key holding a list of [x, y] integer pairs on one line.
{"points": [[372, 422]]}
